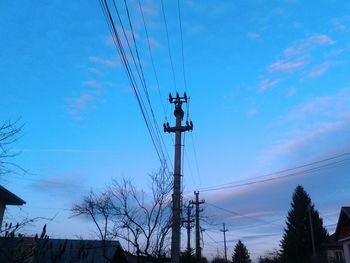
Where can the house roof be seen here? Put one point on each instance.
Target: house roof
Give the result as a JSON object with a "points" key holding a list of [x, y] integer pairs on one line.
{"points": [[332, 243], [346, 210], [71, 250], [343, 220], [9, 198], [83, 251]]}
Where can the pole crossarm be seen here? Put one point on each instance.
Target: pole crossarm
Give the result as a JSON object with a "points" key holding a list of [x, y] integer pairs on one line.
{"points": [[188, 127]]}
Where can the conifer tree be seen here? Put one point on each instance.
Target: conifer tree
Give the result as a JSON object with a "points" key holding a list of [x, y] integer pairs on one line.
{"points": [[296, 245], [240, 254]]}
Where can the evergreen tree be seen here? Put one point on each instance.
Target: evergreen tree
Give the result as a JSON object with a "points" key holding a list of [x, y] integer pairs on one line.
{"points": [[296, 244], [240, 254]]}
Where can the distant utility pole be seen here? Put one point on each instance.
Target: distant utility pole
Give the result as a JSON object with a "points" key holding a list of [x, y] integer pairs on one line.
{"points": [[188, 226], [197, 203], [177, 129], [312, 234], [224, 230]]}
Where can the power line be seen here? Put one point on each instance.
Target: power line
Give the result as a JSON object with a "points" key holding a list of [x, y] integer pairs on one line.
{"points": [[168, 41], [153, 129], [241, 215], [151, 56], [182, 45], [158, 133], [298, 173]]}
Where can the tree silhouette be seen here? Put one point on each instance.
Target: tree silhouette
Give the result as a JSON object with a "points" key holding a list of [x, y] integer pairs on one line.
{"points": [[296, 244], [123, 211], [9, 132], [240, 253]]}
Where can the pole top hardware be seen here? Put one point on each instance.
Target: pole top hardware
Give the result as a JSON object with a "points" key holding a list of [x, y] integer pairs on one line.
{"points": [[177, 99]]}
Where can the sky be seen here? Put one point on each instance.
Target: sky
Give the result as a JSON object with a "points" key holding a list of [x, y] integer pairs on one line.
{"points": [[269, 89]]}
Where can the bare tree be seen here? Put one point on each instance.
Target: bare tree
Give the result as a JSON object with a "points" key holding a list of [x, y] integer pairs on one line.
{"points": [[141, 219], [8, 135], [99, 208]]}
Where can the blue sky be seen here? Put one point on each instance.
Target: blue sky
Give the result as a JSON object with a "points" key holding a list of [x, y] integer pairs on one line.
{"points": [[269, 86]]}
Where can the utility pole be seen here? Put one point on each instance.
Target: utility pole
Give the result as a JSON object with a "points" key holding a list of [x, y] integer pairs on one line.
{"points": [[176, 197], [312, 234], [224, 230], [188, 225], [197, 203]]}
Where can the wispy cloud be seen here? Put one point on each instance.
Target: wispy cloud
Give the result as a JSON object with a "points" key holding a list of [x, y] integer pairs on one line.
{"points": [[253, 36], [85, 101], [321, 40], [46, 150], [251, 112], [321, 117], [153, 43], [287, 66], [341, 24], [59, 184], [298, 59], [266, 84], [290, 92], [321, 69], [92, 83], [94, 70], [109, 63]]}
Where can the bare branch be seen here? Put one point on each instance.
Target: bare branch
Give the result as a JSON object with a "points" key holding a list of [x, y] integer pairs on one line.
{"points": [[9, 134], [140, 218]]}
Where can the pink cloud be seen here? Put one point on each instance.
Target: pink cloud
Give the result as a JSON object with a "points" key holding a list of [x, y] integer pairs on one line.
{"points": [[92, 83], [253, 36], [109, 63], [297, 58], [79, 104], [94, 70], [153, 42], [321, 40], [266, 84], [311, 121], [307, 45], [85, 100], [306, 138], [290, 92], [251, 112], [287, 66], [321, 69]]}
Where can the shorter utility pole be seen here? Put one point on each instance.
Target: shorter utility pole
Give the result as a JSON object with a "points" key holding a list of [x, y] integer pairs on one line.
{"points": [[312, 234], [224, 230], [188, 224], [197, 203]]}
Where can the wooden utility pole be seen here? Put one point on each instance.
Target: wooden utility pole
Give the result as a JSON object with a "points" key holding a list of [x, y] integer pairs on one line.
{"points": [[224, 230], [176, 197], [198, 247]]}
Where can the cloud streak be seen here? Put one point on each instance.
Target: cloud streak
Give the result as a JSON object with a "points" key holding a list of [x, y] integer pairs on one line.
{"points": [[298, 59], [266, 84], [53, 150], [307, 123], [109, 63]]}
